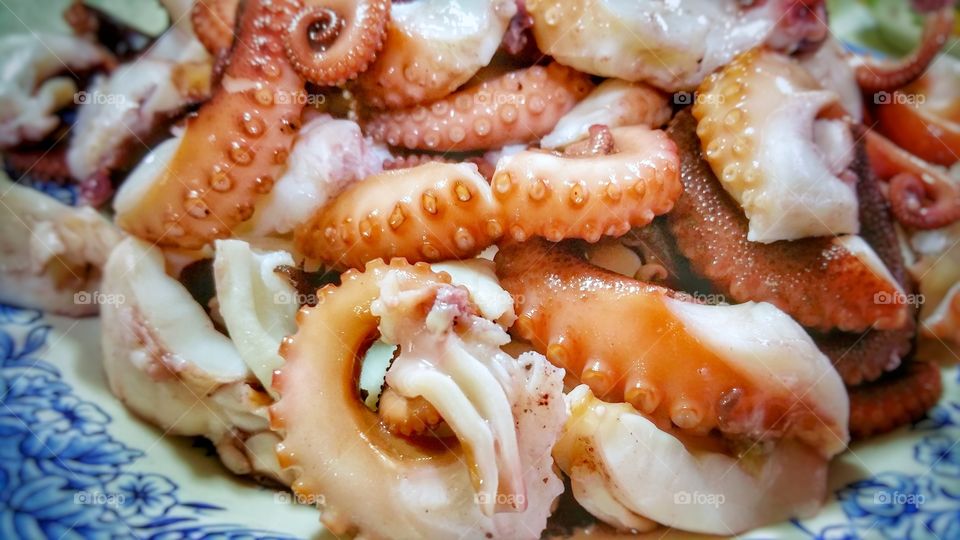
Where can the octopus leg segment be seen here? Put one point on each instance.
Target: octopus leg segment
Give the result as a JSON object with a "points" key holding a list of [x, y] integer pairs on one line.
{"points": [[407, 416], [659, 362], [875, 76], [897, 399], [441, 211], [922, 196], [517, 107], [420, 64], [444, 363], [823, 283], [213, 23], [233, 150], [332, 43]]}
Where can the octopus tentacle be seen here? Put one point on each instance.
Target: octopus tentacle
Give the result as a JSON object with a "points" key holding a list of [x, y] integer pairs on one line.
{"points": [[437, 211], [441, 211], [897, 399], [517, 107], [658, 366], [407, 416], [213, 22], [418, 65], [823, 283], [865, 357], [795, 186], [922, 196], [875, 76], [253, 117], [493, 459], [332, 43], [414, 160], [557, 197]]}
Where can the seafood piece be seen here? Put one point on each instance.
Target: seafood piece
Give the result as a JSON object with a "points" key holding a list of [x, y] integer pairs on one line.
{"points": [[496, 479], [629, 473], [30, 91], [759, 379], [51, 254], [875, 76], [792, 185], [613, 103], [830, 67], [823, 283], [256, 304], [671, 45], [924, 117], [922, 195], [131, 104], [937, 269], [599, 193], [686, 389], [898, 399], [213, 22], [253, 117], [440, 211], [160, 348], [329, 155], [479, 277], [432, 48], [517, 107]]}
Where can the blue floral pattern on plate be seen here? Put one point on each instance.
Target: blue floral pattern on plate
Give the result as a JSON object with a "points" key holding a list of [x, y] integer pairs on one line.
{"points": [[62, 474]]}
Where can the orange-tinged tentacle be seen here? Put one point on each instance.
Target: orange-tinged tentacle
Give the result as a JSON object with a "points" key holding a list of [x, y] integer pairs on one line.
{"points": [[332, 43], [213, 22], [557, 197], [638, 351], [439, 211], [818, 281], [517, 107], [897, 399], [235, 147], [407, 416]]}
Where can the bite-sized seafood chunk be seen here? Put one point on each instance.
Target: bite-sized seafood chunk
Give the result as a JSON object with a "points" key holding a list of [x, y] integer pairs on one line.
{"points": [[256, 304], [492, 478], [125, 107], [830, 67], [238, 143], [629, 473], [612, 103], [621, 178], [515, 107], [671, 45], [168, 364], [433, 47], [30, 93], [822, 282], [51, 254], [924, 117], [697, 395], [779, 144], [329, 155]]}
